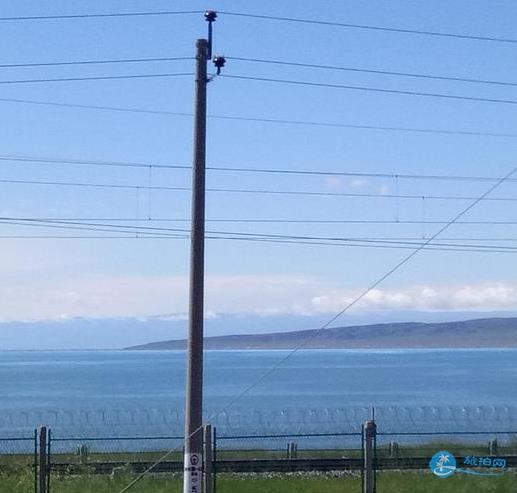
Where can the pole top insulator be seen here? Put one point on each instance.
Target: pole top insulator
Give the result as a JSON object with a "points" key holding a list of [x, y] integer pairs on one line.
{"points": [[219, 62], [210, 15]]}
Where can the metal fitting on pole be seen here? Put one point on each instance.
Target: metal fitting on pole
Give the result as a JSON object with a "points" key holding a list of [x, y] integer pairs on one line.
{"points": [[210, 17]]}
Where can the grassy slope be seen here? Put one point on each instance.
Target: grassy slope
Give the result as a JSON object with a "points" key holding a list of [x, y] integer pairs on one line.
{"points": [[490, 332]]}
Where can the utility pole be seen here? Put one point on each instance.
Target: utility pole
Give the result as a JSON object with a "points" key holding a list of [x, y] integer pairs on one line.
{"points": [[193, 459]]}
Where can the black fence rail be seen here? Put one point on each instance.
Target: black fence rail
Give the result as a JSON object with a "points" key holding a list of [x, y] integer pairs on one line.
{"points": [[98, 448], [115, 455], [294, 445], [287, 452]]}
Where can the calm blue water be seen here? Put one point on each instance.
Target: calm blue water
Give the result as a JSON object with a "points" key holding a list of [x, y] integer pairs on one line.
{"points": [[119, 393]]}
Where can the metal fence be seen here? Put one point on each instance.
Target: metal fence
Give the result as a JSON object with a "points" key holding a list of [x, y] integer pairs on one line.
{"points": [[288, 452], [491, 454], [19, 457], [49, 459]]}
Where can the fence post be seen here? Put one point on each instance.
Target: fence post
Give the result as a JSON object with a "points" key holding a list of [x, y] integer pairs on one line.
{"points": [[35, 461], [43, 460], [394, 450], [214, 463], [362, 457], [49, 468], [207, 454], [370, 432], [493, 447], [292, 450]]}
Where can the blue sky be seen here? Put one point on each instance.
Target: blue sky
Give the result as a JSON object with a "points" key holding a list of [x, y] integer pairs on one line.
{"points": [[47, 279]]}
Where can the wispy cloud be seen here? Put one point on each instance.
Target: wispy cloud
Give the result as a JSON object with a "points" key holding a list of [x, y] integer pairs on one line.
{"points": [[340, 183], [143, 296], [105, 296], [480, 297]]}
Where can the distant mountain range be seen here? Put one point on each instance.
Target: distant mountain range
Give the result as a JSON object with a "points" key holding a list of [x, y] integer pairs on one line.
{"points": [[478, 333]]}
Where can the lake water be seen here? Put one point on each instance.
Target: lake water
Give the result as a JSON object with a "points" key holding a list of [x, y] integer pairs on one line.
{"points": [[99, 393]]}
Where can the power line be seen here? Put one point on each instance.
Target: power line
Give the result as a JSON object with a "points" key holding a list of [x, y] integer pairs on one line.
{"points": [[259, 60], [76, 237], [86, 162], [70, 225], [133, 164], [254, 191], [263, 17], [99, 77], [93, 62], [94, 107], [371, 89], [282, 221], [373, 71], [97, 16], [412, 240], [421, 32], [94, 185], [309, 123], [459, 248], [401, 222], [259, 240], [332, 239], [147, 220], [158, 230], [167, 233], [402, 176], [154, 229], [263, 120]]}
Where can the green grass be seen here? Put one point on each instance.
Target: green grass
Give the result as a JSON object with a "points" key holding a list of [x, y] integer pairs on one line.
{"points": [[389, 482], [405, 482]]}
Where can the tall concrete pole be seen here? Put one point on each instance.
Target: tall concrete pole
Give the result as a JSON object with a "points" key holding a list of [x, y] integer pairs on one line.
{"points": [[193, 460]]}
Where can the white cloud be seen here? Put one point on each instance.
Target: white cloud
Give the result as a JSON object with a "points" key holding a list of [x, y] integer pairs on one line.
{"points": [[343, 183], [21, 259], [479, 297], [358, 182], [103, 296], [335, 183], [50, 283], [144, 296]]}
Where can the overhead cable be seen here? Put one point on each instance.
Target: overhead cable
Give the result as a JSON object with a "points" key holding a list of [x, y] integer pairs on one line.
{"points": [[308, 172], [369, 27], [252, 191], [371, 71], [371, 89], [277, 121], [98, 15], [96, 78], [93, 62], [268, 238]]}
